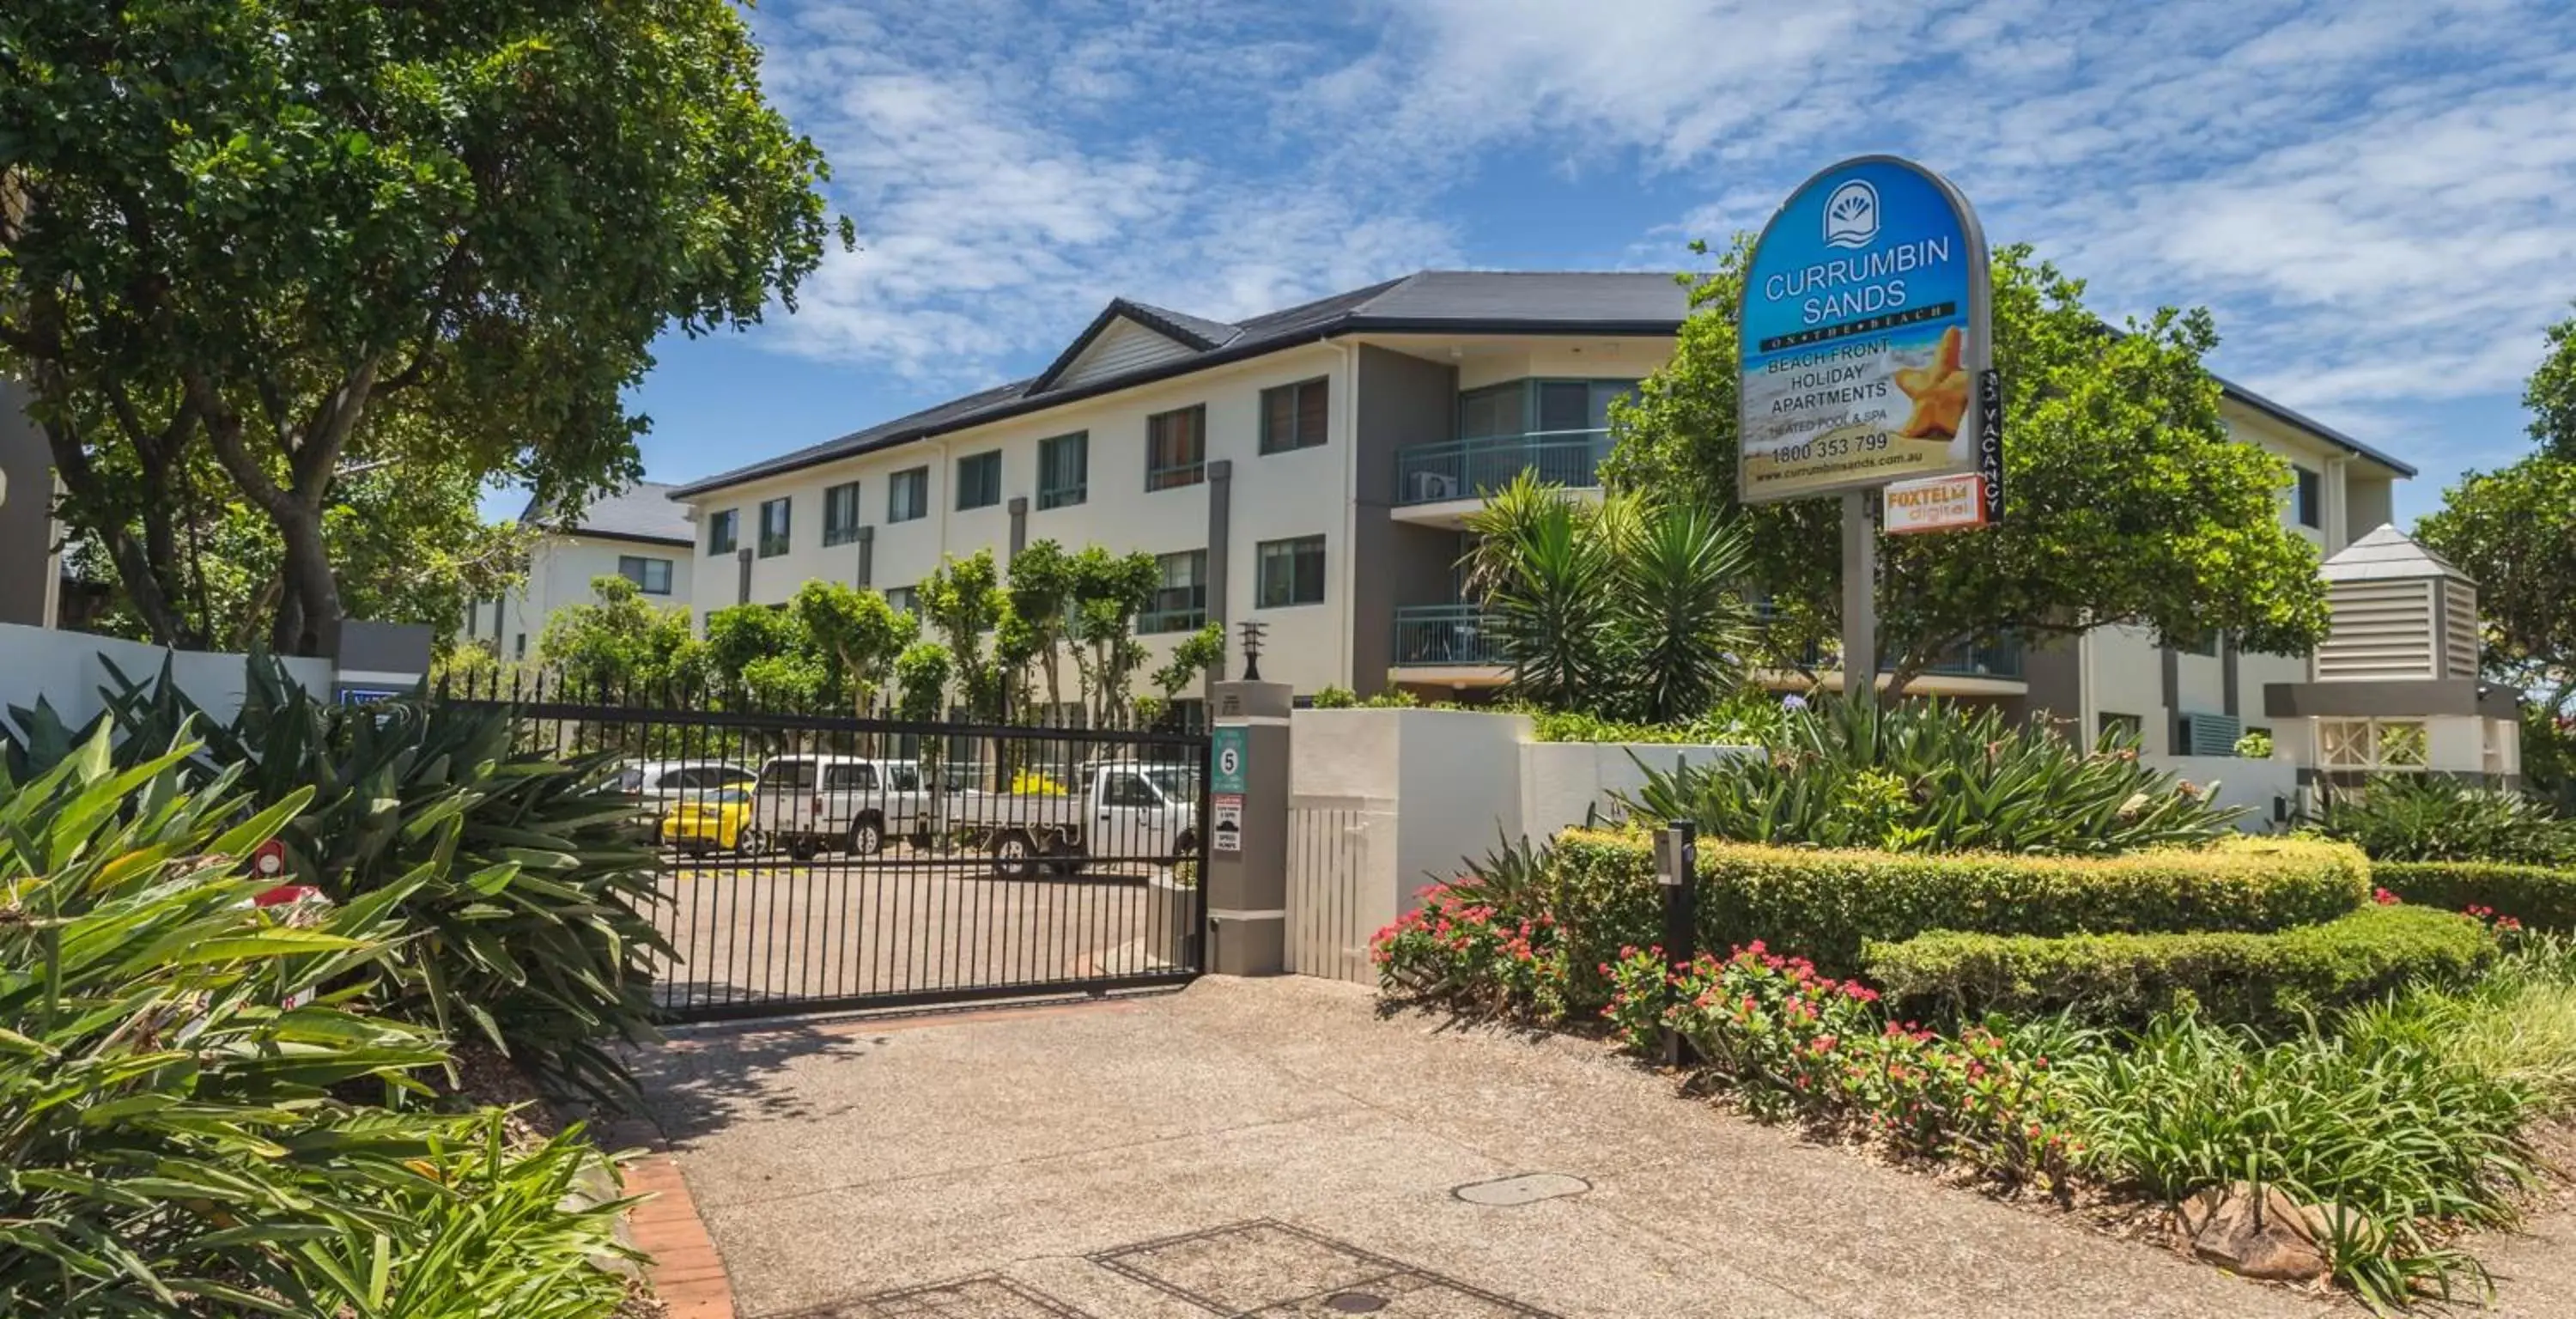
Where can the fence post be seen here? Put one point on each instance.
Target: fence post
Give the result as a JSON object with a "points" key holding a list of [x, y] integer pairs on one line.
{"points": [[1676, 872]]}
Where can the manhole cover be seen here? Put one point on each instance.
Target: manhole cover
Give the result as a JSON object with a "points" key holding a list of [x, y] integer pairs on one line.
{"points": [[1528, 1188], [1355, 1303]]}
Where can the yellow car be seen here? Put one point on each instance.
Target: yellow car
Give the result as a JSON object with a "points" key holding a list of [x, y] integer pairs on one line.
{"points": [[717, 821]]}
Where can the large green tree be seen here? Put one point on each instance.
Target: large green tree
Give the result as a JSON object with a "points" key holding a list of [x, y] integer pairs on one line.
{"points": [[2127, 501], [238, 230], [621, 642], [2514, 530]]}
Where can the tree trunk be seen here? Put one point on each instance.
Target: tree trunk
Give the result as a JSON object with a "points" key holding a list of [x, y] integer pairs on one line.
{"points": [[150, 586]]}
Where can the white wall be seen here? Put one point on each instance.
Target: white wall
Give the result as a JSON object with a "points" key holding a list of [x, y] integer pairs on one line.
{"points": [[1564, 782], [70, 669], [2240, 782]]}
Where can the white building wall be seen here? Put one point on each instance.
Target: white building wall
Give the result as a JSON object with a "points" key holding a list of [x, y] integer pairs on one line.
{"points": [[1275, 497], [560, 572]]}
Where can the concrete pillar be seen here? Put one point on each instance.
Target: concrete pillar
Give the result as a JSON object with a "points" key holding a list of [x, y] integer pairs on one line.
{"points": [[1019, 526], [1247, 865], [1220, 484], [742, 587], [867, 557]]}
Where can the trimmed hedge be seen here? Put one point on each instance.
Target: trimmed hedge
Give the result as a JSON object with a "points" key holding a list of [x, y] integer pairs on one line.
{"points": [[2256, 979], [2538, 896], [1824, 905]]}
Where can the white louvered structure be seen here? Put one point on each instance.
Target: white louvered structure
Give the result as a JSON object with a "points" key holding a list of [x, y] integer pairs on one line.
{"points": [[2400, 612]]}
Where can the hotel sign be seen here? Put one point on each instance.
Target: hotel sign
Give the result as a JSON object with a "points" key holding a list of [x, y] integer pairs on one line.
{"points": [[1863, 339]]}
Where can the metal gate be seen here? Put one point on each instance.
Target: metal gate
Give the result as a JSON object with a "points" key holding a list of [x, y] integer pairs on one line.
{"points": [[812, 862]]}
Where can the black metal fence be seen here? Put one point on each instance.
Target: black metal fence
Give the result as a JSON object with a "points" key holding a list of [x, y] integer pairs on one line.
{"points": [[812, 860]]}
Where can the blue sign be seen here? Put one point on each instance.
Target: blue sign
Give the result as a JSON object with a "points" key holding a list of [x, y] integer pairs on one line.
{"points": [[1863, 335]]}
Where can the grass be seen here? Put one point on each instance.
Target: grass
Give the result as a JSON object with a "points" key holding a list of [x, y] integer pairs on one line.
{"points": [[2516, 1024]]}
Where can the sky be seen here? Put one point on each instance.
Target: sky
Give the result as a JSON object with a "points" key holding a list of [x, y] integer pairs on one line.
{"points": [[2377, 200]]}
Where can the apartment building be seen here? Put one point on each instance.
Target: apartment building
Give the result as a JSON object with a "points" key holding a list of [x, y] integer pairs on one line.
{"points": [[1313, 468], [638, 533]]}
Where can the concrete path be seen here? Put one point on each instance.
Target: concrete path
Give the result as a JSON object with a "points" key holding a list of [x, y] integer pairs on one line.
{"points": [[1276, 1148]]}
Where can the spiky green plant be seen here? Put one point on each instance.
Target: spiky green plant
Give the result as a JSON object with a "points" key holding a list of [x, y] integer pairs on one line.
{"points": [[1932, 776], [2433, 817], [186, 1076], [531, 925]]}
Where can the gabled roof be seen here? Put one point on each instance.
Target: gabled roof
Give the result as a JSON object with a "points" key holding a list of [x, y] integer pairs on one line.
{"points": [[1462, 302], [2387, 554], [642, 512]]}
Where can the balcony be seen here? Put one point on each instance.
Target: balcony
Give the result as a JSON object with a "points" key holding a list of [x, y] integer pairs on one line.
{"points": [[1456, 639], [1464, 471], [1443, 636]]}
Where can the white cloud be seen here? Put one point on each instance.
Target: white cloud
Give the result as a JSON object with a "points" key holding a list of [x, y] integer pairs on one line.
{"points": [[2373, 195]]}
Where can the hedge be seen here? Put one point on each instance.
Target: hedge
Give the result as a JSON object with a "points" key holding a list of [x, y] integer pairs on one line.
{"points": [[2257, 979], [2537, 896], [1824, 905]]}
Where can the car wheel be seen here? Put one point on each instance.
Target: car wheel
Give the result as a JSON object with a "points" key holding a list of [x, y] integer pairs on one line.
{"points": [[1014, 856], [867, 838], [748, 842], [803, 849]]}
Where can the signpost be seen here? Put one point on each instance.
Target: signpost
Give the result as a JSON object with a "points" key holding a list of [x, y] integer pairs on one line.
{"points": [[1865, 355], [1228, 753]]}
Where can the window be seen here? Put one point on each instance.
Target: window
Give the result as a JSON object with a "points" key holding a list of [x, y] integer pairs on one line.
{"points": [[2309, 500], [773, 526], [1176, 448], [1292, 572], [1292, 416], [904, 599], [2372, 743], [2128, 727], [1064, 470], [979, 480], [908, 494], [1128, 789], [2206, 644], [651, 576], [519, 648], [1520, 407], [1180, 603], [788, 776], [722, 530], [841, 514], [860, 777]]}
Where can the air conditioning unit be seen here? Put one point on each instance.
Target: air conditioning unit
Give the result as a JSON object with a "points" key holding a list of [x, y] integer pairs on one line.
{"points": [[1432, 487], [2207, 734]]}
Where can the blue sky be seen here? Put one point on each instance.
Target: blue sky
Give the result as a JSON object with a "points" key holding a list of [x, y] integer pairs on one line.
{"points": [[2378, 200]]}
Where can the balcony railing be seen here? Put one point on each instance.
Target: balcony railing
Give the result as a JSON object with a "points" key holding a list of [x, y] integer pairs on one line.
{"points": [[1458, 634], [1468, 469], [1434, 635]]}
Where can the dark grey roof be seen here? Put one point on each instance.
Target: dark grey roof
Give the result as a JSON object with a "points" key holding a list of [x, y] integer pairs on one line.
{"points": [[2304, 422], [1428, 302], [643, 511]]}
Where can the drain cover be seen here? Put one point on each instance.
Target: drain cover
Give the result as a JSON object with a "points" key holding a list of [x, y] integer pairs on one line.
{"points": [[1528, 1188], [1354, 1303]]}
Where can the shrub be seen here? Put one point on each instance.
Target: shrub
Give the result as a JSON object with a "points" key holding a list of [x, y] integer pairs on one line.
{"points": [[1827, 904], [2398, 1137], [2516, 1023], [1930, 776], [1456, 950], [2255, 745], [2538, 896], [2267, 979], [1788, 1041], [528, 926], [2433, 817], [179, 1139]]}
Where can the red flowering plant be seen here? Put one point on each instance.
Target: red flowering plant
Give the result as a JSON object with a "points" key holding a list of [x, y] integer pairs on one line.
{"points": [[1458, 950], [1789, 1042]]}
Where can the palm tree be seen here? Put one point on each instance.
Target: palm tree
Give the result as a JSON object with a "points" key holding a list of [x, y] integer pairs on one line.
{"points": [[1629, 609]]}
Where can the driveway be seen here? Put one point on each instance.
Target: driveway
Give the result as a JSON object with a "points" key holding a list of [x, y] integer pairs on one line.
{"points": [[1274, 1147]]}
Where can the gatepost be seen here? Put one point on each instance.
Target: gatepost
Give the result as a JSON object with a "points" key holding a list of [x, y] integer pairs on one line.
{"points": [[1247, 847]]}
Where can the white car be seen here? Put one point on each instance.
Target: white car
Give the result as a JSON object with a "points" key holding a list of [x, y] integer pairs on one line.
{"points": [[809, 804], [664, 784]]}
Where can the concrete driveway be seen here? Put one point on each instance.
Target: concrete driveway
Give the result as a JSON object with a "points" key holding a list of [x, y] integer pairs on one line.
{"points": [[1275, 1147]]}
